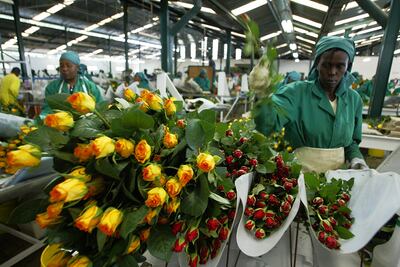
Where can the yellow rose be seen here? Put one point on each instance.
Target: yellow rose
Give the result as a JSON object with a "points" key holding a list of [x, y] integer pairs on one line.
{"points": [[143, 105], [156, 197], [144, 234], [80, 174], [62, 121], [82, 102], [205, 162], [151, 172], [69, 190], [173, 187], [53, 210], [154, 101], [60, 259], [142, 151], [103, 146], [144, 93], [170, 140], [124, 147], [43, 220], [83, 152], [24, 156], [173, 205], [80, 261], [129, 94], [185, 174], [110, 220], [134, 244], [150, 215], [169, 106], [88, 219]]}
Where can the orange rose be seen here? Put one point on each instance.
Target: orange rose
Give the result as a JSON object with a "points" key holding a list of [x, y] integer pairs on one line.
{"points": [[144, 234], [24, 156], [69, 190], [80, 261], [142, 151], [143, 105], [80, 174], [124, 147], [43, 220], [150, 216], [134, 244], [110, 220], [82, 102], [53, 210], [169, 106], [170, 140], [129, 94], [61, 121], [153, 100], [103, 146], [185, 174], [151, 172], [173, 187], [156, 197], [173, 205], [205, 162], [83, 152], [88, 219]]}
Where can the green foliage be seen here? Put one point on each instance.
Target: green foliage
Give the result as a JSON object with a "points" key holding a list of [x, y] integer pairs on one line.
{"points": [[26, 211], [195, 202], [132, 220], [161, 241]]}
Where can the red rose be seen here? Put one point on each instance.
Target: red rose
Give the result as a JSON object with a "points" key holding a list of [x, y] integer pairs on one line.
{"points": [[243, 140], [223, 219], [223, 233], [177, 227], [212, 224], [253, 162], [229, 132], [321, 236], [260, 204], [194, 259], [285, 207], [318, 201], [231, 195], [269, 213], [250, 224], [260, 233], [181, 123], [237, 153], [290, 198], [180, 244], [323, 210], [341, 202], [334, 207], [273, 200], [231, 214], [259, 214], [294, 182], [241, 172], [270, 222], [220, 188], [229, 159], [251, 200], [331, 242], [248, 211], [332, 221], [214, 253], [346, 197], [245, 168], [347, 225], [262, 195], [327, 226], [216, 244], [192, 234], [204, 254], [288, 186]]}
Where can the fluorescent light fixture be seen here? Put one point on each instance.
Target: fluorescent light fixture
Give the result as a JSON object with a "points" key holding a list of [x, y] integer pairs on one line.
{"points": [[68, 2], [92, 27], [297, 60], [312, 4], [98, 51], [247, 7], [376, 36], [360, 40], [105, 21], [55, 8], [210, 27], [61, 47], [118, 15], [344, 21], [238, 34], [147, 26], [286, 53], [367, 59], [361, 26], [351, 5], [306, 46], [309, 33], [189, 6], [295, 55], [41, 16], [81, 38], [225, 50], [32, 29], [336, 32], [192, 50], [269, 36], [280, 46], [397, 51], [182, 51], [293, 46], [306, 50], [155, 18], [307, 21], [238, 54], [215, 46], [287, 25], [369, 30], [305, 40]]}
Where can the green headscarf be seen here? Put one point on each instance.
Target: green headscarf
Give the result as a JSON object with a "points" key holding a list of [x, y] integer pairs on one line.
{"points": [[71, 56], [144, 82], [327, 43]]}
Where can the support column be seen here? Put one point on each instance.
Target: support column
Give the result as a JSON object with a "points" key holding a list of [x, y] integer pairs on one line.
{"points": [[385, 61], [175, 54], [228, 52], [109, 53], [166, 43], [21, 49], [126, 35]]}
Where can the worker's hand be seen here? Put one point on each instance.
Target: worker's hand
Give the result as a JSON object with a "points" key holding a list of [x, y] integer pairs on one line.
{"points": [[358, 164]]}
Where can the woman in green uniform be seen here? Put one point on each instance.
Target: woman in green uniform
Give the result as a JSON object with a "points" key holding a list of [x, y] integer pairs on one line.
{"points": [[203, 81], [322, 116], [70, 81], [144, 83]]}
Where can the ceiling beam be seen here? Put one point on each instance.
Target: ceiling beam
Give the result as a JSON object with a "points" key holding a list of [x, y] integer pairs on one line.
{"points": [[334, 10], [374, 11], [226, 11]]}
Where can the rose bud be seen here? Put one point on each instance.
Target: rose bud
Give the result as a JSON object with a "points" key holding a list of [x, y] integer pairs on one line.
{"points": [[260, 204], [327, 226], [180, 244], [251, 200], [262, 195], [220, 188], [181, 123], [294, 182], [270, 222], [341, 202], [248, 211], [229, 132], [193, 260], [273, 200], [253, 162], [250, 224], [346, 225], [290, 199], [223, 233], [177, 227], [345, 197], [231, 195], [318, 201], [332, 221], [234, 173], [323, 210], [331, 242], [315, 226], [288, 186], [204, 254], [229, 159], [285, 207], [228, 174], [260, 233], [334, 208], [243, 140], [231, 214], [214, 253], [245, 168], [348, 217], [259, 214], [269, 213], [241, 172], [223, 219], [216, 244], [212, 224], [321, 236], [192, 234], [237, 153]]}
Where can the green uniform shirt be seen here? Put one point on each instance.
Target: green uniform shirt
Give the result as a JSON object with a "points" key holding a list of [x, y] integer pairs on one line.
{"points": [[60, 86], [204, 83], [304, 110]]}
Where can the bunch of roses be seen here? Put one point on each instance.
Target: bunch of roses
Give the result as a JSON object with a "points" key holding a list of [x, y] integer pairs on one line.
{"points": [[279, 143], [330, 215], [271, 199]]}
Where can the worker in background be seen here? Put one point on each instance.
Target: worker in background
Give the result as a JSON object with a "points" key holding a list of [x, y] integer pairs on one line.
{"points": [[70, 81], [203, 81], [365, 90], [142, 81], [292, 76], [9, 89]]}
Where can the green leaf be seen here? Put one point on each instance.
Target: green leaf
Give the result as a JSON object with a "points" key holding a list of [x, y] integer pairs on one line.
{"points": [[257, 189], [87, 128], [195, 203], [220, 129], [65, 156], [104, 166], [295, 170], [118, 129], [127, 261], [209, 129], [311, 180], [132, 220], [135, 119], [47, 138], [219, 199], [59, 101], [160, 242], [112, 114], [195, 135], [271, 166], [329, 191], [101, 239], [226, 183], [178, 105], [208, 115], [345, 209], [74, 212], [261, 169], [344, 233], [26, 211]]}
